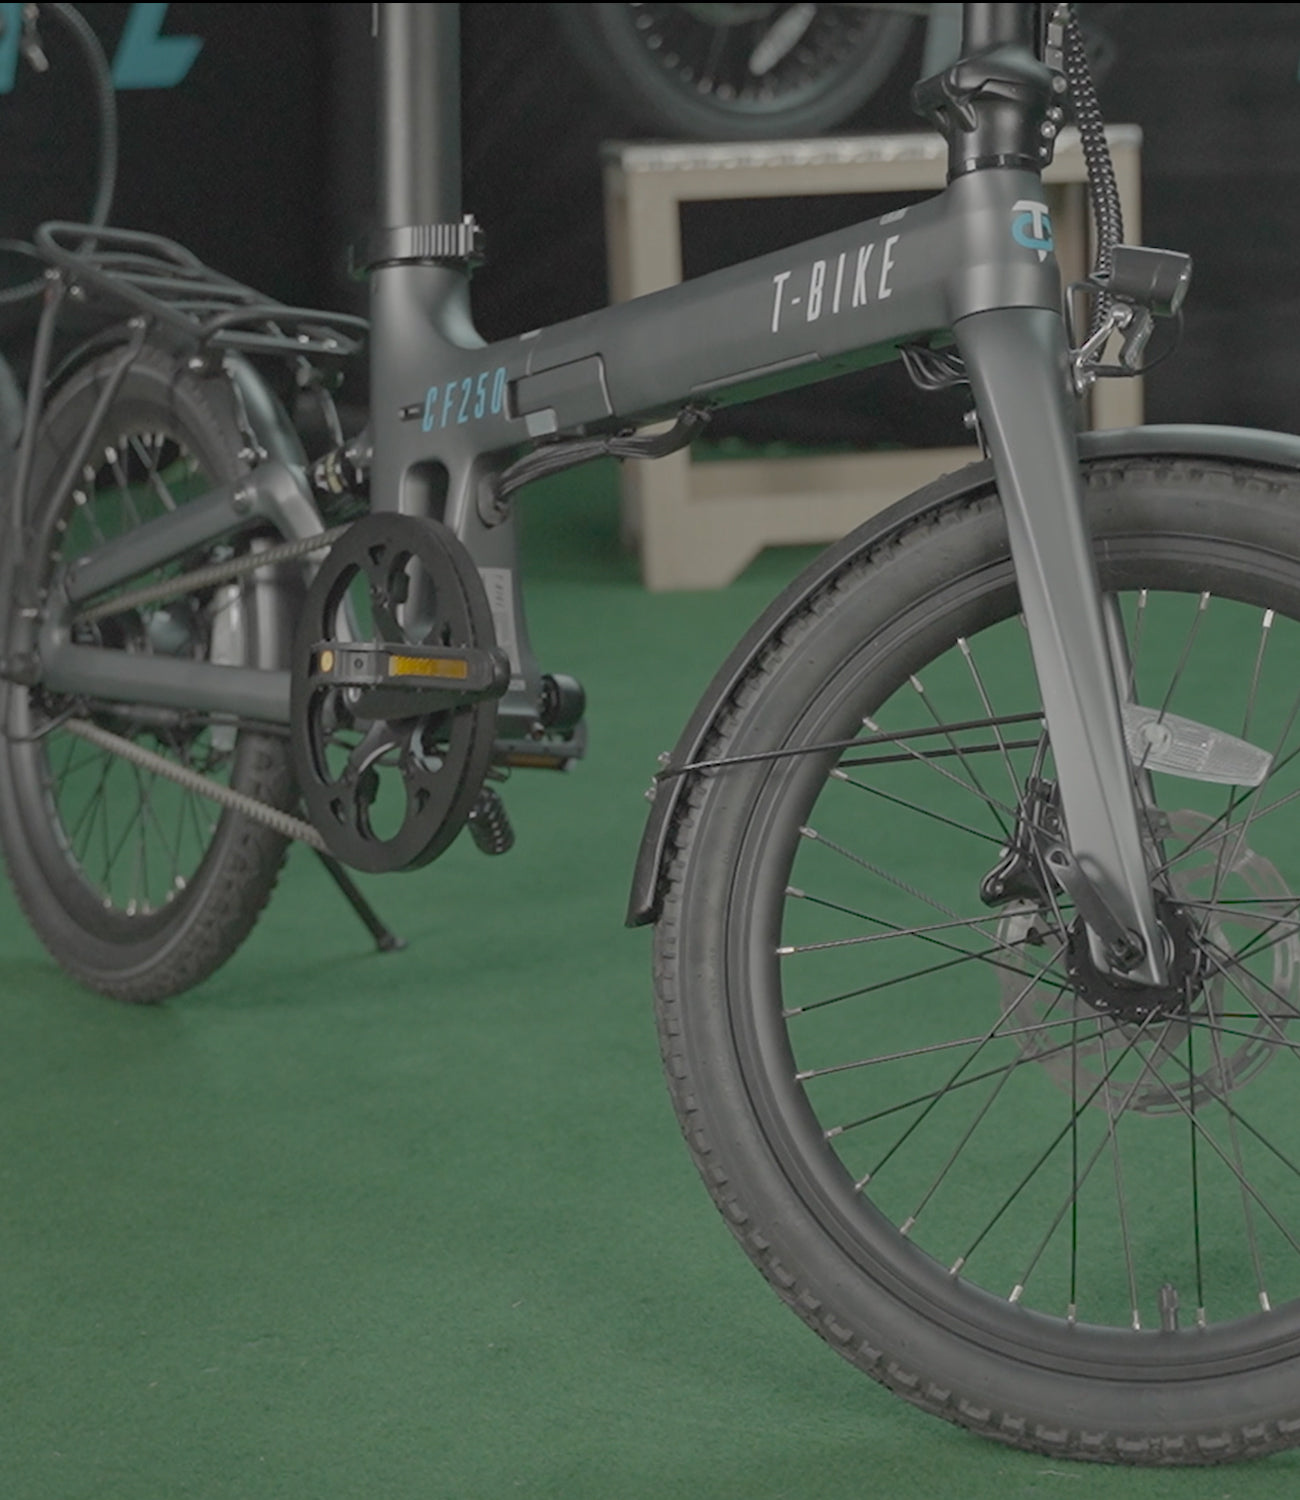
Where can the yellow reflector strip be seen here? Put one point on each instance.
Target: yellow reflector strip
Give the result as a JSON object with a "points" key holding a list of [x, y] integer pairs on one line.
{"points": [[325, 662], [428, 666]]}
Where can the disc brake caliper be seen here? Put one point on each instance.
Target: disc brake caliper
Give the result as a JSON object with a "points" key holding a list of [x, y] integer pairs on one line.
{"points": [[1039, 857], [1017, 875]]}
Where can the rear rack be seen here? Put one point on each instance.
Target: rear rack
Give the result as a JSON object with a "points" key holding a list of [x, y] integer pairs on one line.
{"points": [[148, 274]]}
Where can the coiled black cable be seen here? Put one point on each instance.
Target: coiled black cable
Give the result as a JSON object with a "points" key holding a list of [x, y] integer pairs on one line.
{"points": [[1103, 191]]}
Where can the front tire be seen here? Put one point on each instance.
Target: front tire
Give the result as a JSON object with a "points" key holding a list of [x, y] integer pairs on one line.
{"points": [[1054, 1219]]}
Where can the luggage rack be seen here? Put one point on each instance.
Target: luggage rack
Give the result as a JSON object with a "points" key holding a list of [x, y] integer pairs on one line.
{"points": [[160, 279]]}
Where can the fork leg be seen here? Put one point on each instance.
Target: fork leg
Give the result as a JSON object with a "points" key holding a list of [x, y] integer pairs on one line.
{"points": [[1016, 359]]}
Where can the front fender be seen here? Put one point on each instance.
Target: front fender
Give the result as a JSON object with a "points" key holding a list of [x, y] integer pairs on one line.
{"points": [[1275, 450]]}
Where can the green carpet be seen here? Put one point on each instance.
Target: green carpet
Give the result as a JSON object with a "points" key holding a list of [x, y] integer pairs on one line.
{"points": [[338, 1226]]}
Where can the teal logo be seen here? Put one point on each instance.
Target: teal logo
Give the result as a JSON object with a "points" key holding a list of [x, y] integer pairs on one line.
{"points": [[467, 400], [145, 59], [1031, 226]]}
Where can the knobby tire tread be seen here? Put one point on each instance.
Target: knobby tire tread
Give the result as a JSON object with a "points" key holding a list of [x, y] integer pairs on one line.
{"points": [[929, 1391], [243, 859]]}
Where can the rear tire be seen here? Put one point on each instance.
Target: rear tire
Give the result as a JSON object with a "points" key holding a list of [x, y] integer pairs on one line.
{"points": [[138, 887]]}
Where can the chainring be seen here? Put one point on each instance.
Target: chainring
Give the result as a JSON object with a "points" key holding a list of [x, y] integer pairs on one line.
{"points": [[390, 793]]}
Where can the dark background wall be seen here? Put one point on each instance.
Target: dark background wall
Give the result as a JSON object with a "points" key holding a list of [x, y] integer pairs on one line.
{"points": [[259, 159]]}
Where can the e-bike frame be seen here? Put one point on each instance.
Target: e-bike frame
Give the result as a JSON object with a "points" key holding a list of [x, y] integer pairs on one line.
{"points": [[448, 412]]}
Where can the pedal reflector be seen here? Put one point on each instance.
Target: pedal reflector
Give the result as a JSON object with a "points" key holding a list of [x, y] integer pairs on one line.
{"points": [[450, 667]]}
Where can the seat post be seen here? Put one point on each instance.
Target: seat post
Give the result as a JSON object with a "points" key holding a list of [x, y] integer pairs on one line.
{"points": [[417, 60]]}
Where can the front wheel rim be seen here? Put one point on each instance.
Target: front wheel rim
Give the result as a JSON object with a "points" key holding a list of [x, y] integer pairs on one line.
{"points": [[821, 1153]]}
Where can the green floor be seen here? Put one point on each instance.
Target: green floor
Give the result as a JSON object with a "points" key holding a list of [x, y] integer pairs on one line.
{"points": [[347, 1227]]}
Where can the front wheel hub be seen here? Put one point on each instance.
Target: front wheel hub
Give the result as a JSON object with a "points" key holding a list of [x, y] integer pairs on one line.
{"points": [[1139, 1003]]}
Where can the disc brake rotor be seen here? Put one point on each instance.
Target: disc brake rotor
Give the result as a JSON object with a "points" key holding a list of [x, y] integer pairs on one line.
{"points": [[1236, 900], [390, 774]]}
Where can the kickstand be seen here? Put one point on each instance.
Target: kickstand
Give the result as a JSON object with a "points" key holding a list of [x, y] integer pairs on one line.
{"points": [[385, 940]]}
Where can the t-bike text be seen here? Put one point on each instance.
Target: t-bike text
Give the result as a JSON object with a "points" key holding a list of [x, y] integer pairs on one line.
{"points": [[850, 279]]}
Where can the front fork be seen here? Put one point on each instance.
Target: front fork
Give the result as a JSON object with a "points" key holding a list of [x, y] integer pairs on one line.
{"points": [[1017, 362]]}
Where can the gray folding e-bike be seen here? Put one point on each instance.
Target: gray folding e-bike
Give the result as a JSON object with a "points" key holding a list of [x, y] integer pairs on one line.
{"points": [[975, 872]]}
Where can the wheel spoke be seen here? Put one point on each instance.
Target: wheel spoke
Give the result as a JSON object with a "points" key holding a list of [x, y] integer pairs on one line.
{"points": [[130, 512], [899, 884], [983, 1042], [808, 1007], [170, 841], [1217, 1029], [932, 757], [963, 645], [977, 1041], [1111, 1139], [1247, 1209], [951, 1087], [1220, 829], [1048, 1151], [86, 817], [977, 786], [1194, 1162], [926, 812], [1243, 827], [1199, 1128], [977, 1119], [893, 935], [1079, 1178], [1222, 962], [150, 460]]}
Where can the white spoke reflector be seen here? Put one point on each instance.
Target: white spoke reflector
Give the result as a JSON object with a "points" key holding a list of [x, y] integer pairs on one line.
{"points": [[1182, 747]]}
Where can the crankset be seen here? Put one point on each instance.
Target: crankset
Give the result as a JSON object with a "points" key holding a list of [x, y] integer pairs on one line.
{"points": [[395, 681]]}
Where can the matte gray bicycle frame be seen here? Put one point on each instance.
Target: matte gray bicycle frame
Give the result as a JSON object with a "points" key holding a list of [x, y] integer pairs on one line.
{"points": [[448, 412]]}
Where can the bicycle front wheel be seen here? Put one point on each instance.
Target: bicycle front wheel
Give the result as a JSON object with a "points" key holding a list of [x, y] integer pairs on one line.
{"points": [[1049, 1208]]}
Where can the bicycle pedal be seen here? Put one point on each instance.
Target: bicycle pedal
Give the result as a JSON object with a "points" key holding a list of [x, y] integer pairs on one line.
{"points": [[489, 823], [563, 702], [397, 682]]}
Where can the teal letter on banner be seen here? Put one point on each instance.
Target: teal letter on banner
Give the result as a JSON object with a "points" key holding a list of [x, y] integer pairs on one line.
{"points": [[11, 19], [146, 60]]}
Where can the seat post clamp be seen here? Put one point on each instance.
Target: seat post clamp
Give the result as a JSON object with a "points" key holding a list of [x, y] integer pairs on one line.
{"points": [[459, 245]]}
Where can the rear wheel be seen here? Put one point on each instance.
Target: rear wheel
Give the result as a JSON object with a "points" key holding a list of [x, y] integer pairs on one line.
{"points": [[1043, 1206], [139, 887]]}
